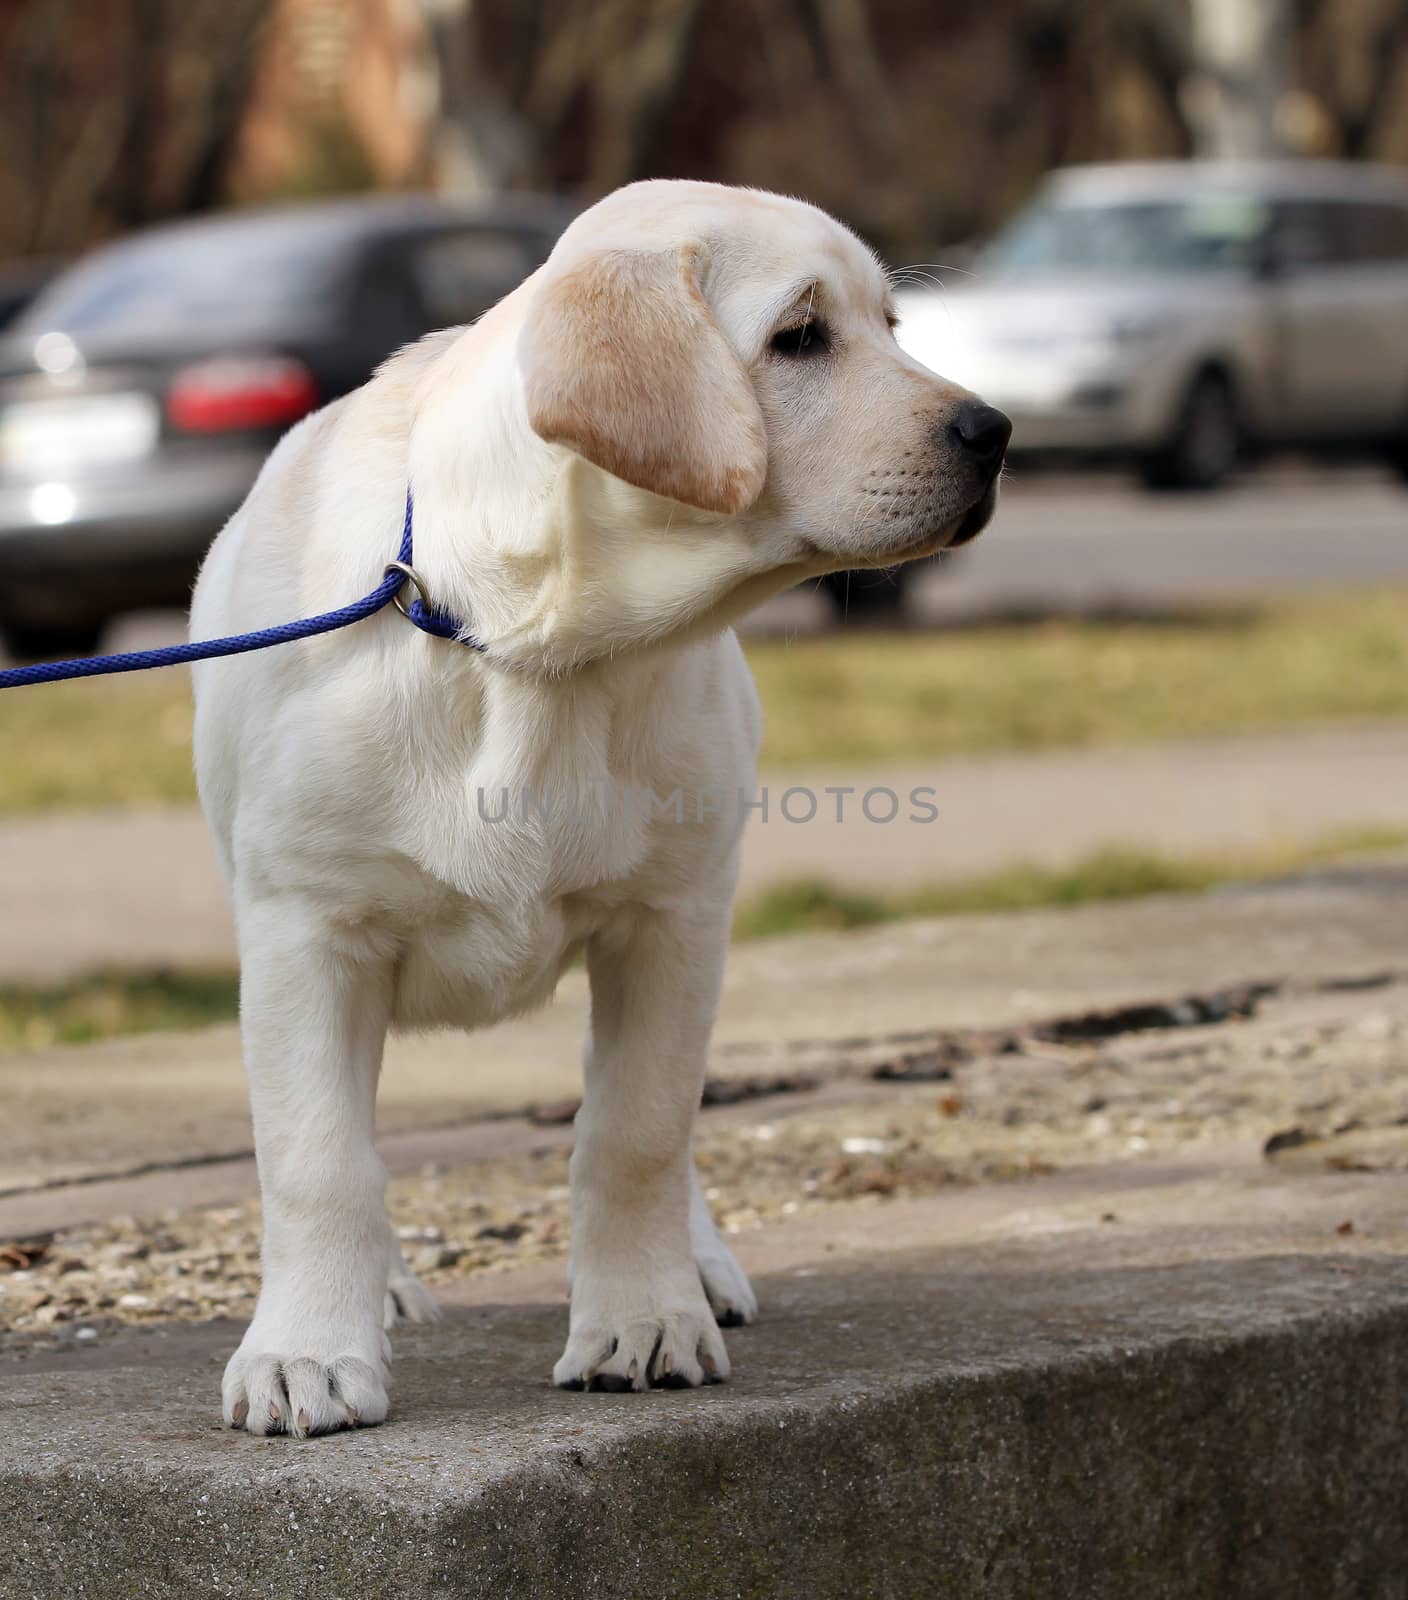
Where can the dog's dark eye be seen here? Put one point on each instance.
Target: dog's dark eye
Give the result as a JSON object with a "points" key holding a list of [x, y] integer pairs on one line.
{"points": [[807, 338]]}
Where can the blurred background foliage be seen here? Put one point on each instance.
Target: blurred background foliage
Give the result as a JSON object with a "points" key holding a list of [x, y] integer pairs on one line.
{"points": [[919, 123]]}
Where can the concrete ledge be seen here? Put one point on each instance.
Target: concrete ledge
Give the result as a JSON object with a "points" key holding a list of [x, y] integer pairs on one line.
{"points": [[1177, 1374], [1011, 1422]]}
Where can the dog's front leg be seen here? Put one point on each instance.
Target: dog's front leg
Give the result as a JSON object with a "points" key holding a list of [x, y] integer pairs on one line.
{"points": [[639, 1312], [314, 1020]]}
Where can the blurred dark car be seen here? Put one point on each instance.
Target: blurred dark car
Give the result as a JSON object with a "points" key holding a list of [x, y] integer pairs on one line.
{"points": [[141, 392], [20, 282]]}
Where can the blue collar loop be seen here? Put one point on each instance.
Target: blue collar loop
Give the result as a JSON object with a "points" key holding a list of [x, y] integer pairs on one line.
{"points": [[420, 610]]}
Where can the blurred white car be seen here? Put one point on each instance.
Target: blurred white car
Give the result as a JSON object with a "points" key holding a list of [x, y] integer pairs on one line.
{"points": [[1179, 313]]}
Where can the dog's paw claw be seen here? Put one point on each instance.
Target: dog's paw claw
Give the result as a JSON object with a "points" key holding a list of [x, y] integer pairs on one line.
{"points": [[303, 1395], [680, 1349], [408, 1300], [610, 1383], [725, 1283]]}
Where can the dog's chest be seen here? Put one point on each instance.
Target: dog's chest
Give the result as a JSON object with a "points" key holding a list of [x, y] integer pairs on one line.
{"points": [[514, 892], [525, 828]]}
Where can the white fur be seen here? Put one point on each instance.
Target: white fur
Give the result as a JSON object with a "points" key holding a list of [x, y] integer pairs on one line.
{"points": [[340, 776]]}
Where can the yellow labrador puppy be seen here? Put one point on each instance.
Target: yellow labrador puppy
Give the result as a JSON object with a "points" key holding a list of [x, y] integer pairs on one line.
{"points": [[695, 403]]}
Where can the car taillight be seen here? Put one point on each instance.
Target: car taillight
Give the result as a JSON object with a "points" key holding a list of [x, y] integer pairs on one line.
{"points": [[230, 392]]}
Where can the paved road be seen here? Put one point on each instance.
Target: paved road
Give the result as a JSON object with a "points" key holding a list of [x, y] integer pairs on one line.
{"points": [[1083, 542]]}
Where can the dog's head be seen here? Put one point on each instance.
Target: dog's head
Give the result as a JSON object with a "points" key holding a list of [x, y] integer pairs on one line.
{"points": [[733, 352]]}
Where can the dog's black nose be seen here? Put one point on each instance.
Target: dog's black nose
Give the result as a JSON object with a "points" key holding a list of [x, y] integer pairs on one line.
{"points": [[981, 430]]}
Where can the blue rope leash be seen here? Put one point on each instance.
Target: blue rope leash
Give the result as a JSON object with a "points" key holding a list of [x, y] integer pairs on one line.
{"points": [[424, 617]]}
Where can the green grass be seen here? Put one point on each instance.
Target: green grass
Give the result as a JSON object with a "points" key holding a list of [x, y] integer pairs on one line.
{"points": [[814, 905], [103, 1004], [106, 1004], [854, 700]]}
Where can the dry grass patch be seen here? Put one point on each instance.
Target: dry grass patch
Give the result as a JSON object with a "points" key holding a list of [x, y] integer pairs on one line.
{"points": [[854, 700], [860, 699]]}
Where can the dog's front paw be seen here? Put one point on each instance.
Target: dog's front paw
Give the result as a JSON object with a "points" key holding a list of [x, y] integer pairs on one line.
{"points": [[407, 1298], [660, 1344], [725, 1282], [274, 1386]]}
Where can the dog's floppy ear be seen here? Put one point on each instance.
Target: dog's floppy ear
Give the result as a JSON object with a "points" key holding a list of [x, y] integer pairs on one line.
{"points": [[623, 362]]}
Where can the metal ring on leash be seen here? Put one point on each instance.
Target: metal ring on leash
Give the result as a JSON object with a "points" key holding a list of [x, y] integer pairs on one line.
{"points": [[410, 575]]}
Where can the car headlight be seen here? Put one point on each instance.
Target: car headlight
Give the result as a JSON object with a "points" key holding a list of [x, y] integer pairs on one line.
{"points": [[1118, 340], [1094, 337]]}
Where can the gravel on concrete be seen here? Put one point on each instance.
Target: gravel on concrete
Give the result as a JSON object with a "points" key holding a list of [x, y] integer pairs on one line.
{"points": [[1314, 1079], [807, 1002]]}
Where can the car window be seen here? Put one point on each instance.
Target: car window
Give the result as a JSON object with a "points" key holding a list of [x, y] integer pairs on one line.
{"points": [[1379, 233], [1310, 233], [1202, 233], [386, 309], [1340, 233], [172, 282], [460, 275]]}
